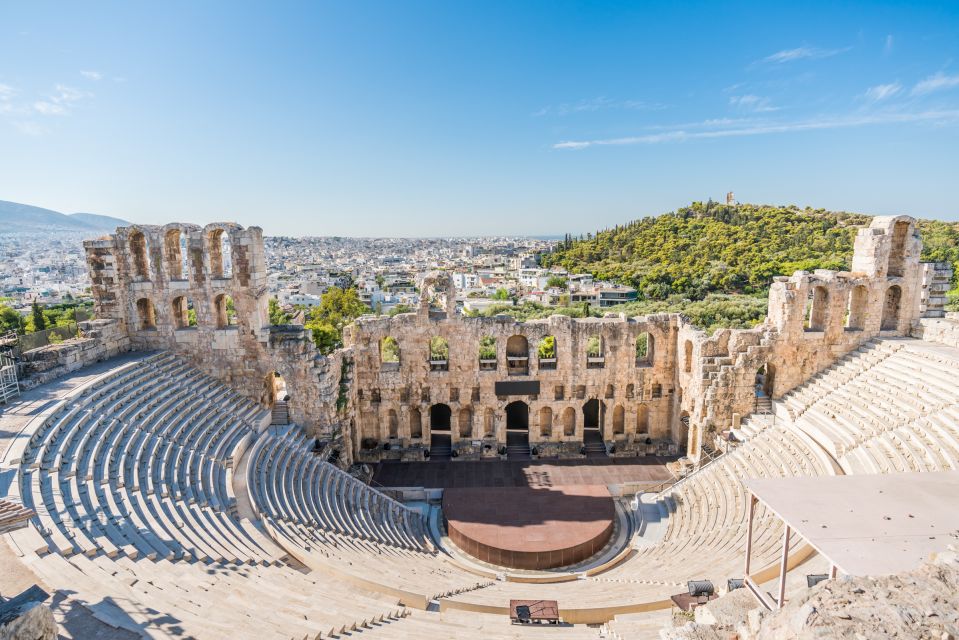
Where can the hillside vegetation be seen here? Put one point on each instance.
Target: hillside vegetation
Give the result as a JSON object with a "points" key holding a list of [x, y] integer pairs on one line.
{"points": [[708, 248]]}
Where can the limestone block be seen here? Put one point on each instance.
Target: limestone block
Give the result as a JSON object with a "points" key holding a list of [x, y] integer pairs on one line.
{"points": [[32, 621]]}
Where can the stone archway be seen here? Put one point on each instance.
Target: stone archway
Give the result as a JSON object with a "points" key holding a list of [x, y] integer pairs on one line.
{"points": [[517, 430], [441, 437], [593, 438]]}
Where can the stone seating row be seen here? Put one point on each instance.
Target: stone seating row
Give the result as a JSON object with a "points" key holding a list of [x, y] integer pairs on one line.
{"points": [[899, 416], [137, 465], [332, 521], [847, 368], [130, 478], [181, 599], [293, 485]]}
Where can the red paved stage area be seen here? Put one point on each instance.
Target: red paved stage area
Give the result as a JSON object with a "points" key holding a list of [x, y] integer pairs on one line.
{"points": [[526, 528]]}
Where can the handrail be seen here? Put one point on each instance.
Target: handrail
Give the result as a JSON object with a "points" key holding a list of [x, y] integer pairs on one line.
{"points": [[670, 484]]}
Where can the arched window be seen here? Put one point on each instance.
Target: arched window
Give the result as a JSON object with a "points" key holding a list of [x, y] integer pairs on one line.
{"points": [[619, 420], [545, 422], [221, 257], [439, 354], [146, 314], [817, 309], [416, 423], [466, 423], [487, 353], [180, 312], [517, 355], [856, 314], [173, 254], [138, 250], [897, 253], [642, 419], [594, 352], [389, 352], [393, 424], [644, 349], [547, 353], [569, 421], [891, 307], [224, 311], [688, 356]]}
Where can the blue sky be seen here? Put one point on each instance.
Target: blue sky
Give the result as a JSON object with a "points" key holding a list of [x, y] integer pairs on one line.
{"points": [[459, 118]]}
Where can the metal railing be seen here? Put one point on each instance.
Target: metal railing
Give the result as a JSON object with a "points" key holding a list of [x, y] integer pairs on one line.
{"points": [[673, 482]]}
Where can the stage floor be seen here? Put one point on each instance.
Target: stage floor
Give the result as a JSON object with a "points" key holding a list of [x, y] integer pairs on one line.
{"points": [[516, 473], [527, 528]]}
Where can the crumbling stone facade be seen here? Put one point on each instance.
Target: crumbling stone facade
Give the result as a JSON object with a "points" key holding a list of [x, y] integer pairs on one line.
{"points": [[201, 292], [653, 384], [396, 403]]}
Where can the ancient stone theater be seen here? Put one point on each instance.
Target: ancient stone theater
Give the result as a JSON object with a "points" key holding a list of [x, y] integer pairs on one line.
{"points": [[184, 469]]}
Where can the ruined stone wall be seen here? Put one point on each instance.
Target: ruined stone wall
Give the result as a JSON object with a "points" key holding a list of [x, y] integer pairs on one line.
{"points": [[148, 279], [689, 385], [634, 396], [813, 320], [99, 340]]}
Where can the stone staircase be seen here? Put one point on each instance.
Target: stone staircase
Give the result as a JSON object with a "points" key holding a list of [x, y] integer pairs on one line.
{"points": [[280, 414], [517, 446], [593, 442], [441, 447]]}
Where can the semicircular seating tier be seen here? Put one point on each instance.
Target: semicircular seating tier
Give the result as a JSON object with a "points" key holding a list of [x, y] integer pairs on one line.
{"points": [[131, 477], [329, 520]]}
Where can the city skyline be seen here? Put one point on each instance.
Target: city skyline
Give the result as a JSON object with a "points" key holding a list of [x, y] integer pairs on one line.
{"points": [[435, 120]]}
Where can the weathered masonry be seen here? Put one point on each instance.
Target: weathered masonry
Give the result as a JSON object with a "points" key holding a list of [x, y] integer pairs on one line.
{"points": [[434, 379]]}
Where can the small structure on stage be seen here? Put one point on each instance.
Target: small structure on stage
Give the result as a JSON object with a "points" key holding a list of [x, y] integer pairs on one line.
{"points": [[865, 525], [533, 612]]}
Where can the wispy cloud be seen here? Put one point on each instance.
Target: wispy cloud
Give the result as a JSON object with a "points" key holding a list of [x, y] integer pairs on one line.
{"points": [[750, 102], [882, 91], [597, 104], [887, 47], [60, 101], [683, 135], [802, 53], [92, 75], [935, 82]]}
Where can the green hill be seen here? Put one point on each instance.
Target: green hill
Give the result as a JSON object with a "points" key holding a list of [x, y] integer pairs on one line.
{"points": [[720, 249]]}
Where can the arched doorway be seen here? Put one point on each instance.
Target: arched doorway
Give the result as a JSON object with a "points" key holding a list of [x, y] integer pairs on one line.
{"points": [[856, 312], [593, 441], [890, 308], [441, 439], [276, 397], [517, 430], [684, 433]]}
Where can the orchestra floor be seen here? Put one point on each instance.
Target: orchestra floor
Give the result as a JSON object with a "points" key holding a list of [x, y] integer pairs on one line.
{"points": [[522, 473]]}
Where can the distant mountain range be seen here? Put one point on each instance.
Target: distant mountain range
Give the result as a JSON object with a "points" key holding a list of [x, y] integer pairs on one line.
{"points": [[24, 218]]}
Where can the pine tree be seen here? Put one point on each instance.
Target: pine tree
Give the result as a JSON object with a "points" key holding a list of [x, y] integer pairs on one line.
{"points": [[39, 321]]}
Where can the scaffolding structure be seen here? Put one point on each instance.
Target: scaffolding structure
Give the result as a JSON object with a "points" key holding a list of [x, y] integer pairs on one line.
{"points": [[9, 383]]}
